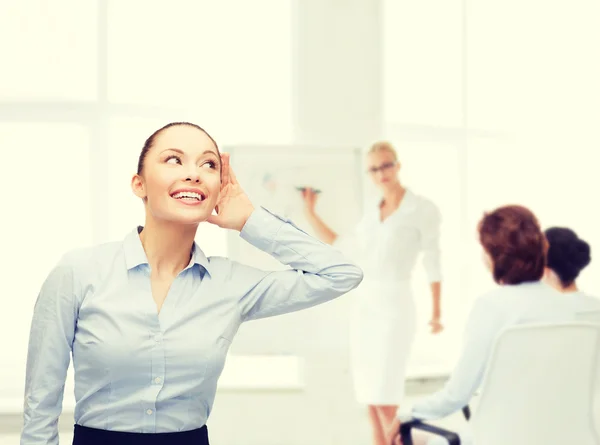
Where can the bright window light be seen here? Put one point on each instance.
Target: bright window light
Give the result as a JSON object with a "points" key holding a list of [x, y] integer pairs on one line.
{"points": [[49, 50]]}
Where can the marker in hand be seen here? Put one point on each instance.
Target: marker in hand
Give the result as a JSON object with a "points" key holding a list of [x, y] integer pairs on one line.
{"points": [[309, 195], [303, 189]]}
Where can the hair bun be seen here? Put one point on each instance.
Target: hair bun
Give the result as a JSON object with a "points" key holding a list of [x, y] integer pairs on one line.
{"points": [[582, 256]]}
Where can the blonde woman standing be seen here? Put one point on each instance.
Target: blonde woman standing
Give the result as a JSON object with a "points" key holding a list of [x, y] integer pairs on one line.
{"points": [[387, 242]]}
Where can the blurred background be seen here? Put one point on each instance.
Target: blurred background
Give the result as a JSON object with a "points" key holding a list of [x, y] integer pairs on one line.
{"points": [[488, 103]]}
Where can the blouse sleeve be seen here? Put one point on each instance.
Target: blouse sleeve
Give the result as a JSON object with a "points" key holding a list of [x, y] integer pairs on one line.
{"points": [[317, 271], [48, 357]]}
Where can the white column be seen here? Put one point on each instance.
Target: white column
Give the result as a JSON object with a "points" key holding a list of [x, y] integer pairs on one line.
{"points": [[337, 72]]}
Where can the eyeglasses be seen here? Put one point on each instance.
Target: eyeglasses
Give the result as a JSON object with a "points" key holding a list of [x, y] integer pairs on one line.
{"points": [[382, 167]]}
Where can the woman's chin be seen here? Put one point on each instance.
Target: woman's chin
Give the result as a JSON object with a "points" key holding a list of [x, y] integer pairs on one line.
{"points": [[189, 218]]}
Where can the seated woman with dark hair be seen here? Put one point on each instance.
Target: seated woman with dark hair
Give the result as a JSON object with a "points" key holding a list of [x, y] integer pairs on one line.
{"points": [[514, 250], [568, 255]]}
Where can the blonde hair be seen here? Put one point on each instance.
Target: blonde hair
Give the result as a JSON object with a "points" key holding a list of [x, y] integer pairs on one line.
{"points": [[383, 146]]}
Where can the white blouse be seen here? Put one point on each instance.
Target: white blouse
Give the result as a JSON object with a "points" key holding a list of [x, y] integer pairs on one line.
{"points": [[494, 311], [389, 250]]}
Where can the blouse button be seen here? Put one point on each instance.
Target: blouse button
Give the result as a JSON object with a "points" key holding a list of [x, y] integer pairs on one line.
{"points": [[149, 412]]}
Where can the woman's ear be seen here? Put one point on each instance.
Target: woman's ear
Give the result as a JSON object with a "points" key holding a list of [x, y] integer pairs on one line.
{"points": [[138, 186]]}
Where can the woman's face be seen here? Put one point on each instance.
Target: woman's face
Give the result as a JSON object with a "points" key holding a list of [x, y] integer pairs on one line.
{"points": [[181, 179], [383, 168]]}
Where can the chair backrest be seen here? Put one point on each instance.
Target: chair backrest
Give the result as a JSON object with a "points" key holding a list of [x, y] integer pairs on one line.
{"points": [[539, 387], [593, 316]]}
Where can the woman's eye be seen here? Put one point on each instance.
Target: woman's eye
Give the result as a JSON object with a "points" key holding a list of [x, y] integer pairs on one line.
{"points": [[211, 164], [173, 160]]}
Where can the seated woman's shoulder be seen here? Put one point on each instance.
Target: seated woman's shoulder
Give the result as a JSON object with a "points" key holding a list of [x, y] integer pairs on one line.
{"points": [[506, 295], [495, 292], [587, 302], [490, 298]]}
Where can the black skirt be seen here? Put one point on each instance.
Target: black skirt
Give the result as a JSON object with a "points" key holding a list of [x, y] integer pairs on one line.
{"points": [[92, 436]]}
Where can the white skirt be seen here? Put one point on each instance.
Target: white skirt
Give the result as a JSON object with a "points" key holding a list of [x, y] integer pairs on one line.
{"points": [[382, 330]]}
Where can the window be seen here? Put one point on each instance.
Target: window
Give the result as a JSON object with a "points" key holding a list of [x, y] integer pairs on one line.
{"points": [[55, 58], [45, 176], [523, 74], [232, 70]]}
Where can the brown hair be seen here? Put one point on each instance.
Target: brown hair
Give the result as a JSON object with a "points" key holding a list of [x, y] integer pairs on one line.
{"points": [[512, 236], [150, 142]]}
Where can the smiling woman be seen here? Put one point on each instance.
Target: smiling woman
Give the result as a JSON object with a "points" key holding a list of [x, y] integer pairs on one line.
{"points": [[178, 149], [178, 309]]}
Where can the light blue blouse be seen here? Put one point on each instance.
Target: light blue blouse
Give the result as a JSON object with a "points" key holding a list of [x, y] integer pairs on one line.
{"points": [[145, 371]]}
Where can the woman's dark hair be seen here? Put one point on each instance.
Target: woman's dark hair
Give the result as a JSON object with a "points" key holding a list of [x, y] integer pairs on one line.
{"points": [[150, 141], [512, 236], [568, 255]]}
